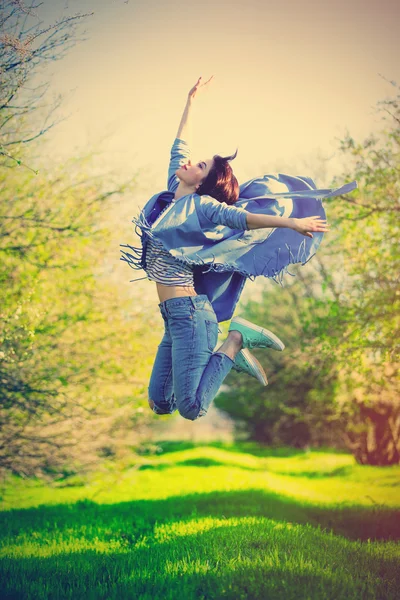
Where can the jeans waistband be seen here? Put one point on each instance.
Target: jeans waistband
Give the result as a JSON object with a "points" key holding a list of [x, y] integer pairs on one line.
{"points": [[196, 301]]}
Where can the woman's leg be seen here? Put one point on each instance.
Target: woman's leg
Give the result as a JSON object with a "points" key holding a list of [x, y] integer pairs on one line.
{"points": [[198, 371], [160, 389]]}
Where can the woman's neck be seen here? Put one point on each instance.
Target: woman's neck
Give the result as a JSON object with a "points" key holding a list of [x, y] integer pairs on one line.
{"points": [[183, 190]]}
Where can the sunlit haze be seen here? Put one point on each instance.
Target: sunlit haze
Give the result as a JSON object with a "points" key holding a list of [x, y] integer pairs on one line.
{"points": [[289, 77]]}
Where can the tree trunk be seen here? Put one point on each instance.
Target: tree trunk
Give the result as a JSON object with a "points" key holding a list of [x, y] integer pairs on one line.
{"points": [[376, 438]]}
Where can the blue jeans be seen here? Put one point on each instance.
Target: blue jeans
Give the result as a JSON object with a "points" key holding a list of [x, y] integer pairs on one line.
{"points": [[187, 374]]}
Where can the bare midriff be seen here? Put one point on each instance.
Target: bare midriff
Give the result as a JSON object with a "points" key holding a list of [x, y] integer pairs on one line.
{"points": [[165, 292]]}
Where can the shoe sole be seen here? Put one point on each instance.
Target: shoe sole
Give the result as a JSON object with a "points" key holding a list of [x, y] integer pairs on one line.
{"points": [[267, 332], [256, 366]]}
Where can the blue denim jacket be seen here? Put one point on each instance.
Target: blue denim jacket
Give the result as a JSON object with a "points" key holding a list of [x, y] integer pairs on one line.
{"points": [[213, 237]]}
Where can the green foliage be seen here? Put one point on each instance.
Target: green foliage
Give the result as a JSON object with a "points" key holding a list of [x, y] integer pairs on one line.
{"points": [[340, 320], [367, 298], [73, 352], [67, 351], [302, 381]]}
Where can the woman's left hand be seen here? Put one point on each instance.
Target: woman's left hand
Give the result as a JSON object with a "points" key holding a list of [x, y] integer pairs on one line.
{"points": [[198, 86], [308, 224]]}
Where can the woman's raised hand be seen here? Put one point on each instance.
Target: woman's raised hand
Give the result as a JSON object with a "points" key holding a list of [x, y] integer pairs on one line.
{"points": [[308, 224], [197, 87]]}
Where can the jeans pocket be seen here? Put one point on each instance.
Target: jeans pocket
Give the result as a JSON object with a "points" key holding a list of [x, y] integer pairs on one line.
{"points": [[181, 312], [212, 334]]}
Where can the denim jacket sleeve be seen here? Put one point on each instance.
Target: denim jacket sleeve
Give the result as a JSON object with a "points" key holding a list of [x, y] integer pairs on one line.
{"points": [[180, 154], [222, 213]]}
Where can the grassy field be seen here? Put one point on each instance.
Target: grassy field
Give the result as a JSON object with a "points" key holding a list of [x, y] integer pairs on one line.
{"points": [[215, 521]]}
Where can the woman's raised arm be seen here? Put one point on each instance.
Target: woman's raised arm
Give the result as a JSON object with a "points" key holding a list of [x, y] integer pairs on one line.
{"points": [[183, 129]]}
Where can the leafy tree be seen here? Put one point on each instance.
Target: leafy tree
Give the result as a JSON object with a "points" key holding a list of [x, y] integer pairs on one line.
{"points": [[67, 351], [368, 305], [341, 317], [24, 48], [301, 380], [73, 374]]}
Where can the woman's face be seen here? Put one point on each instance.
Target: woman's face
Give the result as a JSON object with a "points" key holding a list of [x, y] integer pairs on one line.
{"points": [[194, 175]]}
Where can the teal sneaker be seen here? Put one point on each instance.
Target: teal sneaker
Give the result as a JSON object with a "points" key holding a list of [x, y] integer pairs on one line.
{"points": [[247, 363], [255, 336]]}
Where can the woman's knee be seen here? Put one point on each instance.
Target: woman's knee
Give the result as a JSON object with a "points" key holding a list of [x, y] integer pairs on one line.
{"points": [[161, 409], [189, 411], [153, 406]]}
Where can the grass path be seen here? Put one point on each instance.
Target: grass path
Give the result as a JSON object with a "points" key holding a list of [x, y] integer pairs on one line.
{"points": [[207, 522]]}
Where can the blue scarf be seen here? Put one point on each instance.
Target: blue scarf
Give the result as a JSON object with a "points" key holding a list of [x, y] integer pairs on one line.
{"points": [[224, 258]]}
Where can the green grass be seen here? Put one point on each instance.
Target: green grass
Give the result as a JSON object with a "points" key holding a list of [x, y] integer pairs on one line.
{"points": [[206, 522]]}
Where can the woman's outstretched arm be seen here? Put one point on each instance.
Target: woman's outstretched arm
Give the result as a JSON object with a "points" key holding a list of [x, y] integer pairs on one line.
{"points": [[183, 129], [303, 226]]}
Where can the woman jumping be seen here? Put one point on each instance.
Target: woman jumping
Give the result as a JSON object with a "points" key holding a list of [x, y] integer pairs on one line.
{"points": [[201, 239]]}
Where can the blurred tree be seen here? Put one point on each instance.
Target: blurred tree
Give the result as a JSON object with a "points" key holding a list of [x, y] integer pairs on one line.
{"points": [[70, 364], [25, 47], [367, 309], [341, 317], [301, 380], [67, 348]]}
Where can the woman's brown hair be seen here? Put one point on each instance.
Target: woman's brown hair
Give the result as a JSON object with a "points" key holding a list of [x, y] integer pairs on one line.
{"points": [[221, 183]]}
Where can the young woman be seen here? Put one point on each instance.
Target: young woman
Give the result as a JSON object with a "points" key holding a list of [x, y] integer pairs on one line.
{"points": [[200, 242]]}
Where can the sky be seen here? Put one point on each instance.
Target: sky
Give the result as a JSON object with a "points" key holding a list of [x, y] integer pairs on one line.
{"points": [[289, 77]]}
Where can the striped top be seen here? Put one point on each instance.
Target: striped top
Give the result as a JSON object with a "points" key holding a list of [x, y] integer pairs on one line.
{"points": [[164, 268]]}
